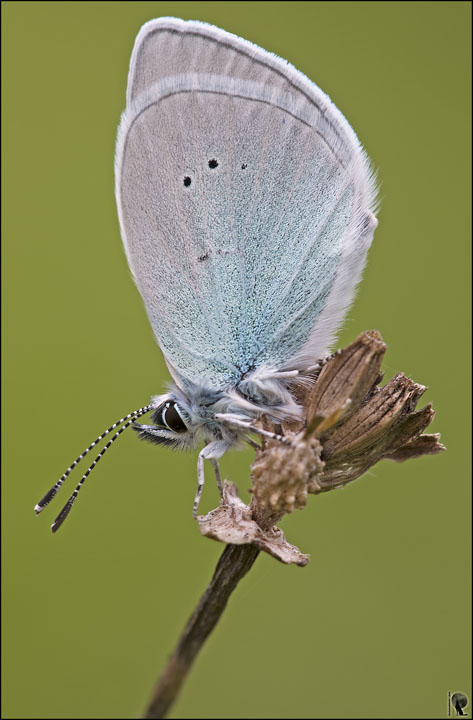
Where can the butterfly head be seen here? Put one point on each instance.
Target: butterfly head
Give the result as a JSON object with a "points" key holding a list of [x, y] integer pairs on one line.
{"points": [[183, 421]]}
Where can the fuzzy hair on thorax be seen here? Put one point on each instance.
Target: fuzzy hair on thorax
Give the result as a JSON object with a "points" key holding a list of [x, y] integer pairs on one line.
{"points": [[265, 391]]}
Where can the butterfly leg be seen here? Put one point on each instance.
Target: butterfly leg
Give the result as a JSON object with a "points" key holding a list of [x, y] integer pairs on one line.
{"points": [[237, 422], [200, 483], [217, 476], [212, 452]]}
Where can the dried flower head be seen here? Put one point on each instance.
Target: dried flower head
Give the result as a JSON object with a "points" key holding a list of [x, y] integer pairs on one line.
{"points": [[349, 424]]}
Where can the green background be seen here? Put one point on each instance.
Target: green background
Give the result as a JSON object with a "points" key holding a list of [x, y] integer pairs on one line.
{"points": [[378, 623]]}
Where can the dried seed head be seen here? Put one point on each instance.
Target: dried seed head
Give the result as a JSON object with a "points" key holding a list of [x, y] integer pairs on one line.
{"points": [[349, 424], [283, 475]]}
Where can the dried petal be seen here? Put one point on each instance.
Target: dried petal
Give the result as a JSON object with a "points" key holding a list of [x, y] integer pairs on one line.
{"points": [[232, 522], [372, 424], [422, 445], [348, 375]]}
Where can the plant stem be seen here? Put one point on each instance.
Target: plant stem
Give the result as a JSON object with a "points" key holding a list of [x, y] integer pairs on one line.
{"points": [[234, 563]]}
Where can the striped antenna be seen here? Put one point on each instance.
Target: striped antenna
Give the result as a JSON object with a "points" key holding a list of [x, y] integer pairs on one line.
{"points": [[51, 493], [67, 507]]}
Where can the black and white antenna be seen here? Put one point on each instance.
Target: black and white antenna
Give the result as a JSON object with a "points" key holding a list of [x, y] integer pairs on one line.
{"points": [[128, 420]]}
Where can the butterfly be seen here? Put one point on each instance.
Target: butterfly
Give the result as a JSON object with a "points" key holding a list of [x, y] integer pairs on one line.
{"points": [[247, 207]]}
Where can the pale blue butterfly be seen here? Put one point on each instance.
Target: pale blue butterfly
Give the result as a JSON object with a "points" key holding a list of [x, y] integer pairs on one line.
{"points": [[246, 207]]}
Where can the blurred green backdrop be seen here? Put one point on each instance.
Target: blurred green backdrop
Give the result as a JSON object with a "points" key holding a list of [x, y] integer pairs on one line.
{"points": [[378, 623]]}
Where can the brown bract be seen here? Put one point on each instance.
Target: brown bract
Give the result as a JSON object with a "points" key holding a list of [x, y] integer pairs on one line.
{"points": [[349, 424]]}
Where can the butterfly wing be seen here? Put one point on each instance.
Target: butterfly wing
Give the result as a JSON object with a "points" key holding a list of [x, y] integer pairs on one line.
{"points": [[245, 203]]}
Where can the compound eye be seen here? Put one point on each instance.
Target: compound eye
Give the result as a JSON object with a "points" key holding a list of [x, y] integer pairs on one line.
{"points": [[172, 418]]}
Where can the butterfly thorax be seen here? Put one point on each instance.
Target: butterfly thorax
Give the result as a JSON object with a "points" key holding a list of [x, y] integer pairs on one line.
{"points": [[190, 414]]}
